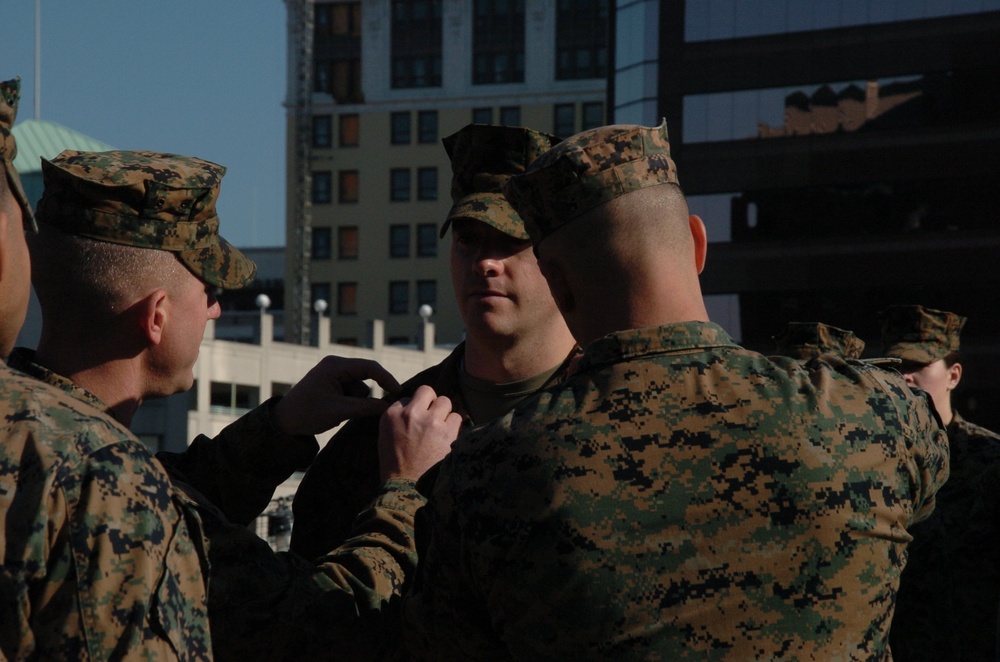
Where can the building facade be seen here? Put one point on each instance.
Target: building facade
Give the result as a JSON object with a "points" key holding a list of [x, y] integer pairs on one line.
{"points": [[373, 88], [844, 154]]}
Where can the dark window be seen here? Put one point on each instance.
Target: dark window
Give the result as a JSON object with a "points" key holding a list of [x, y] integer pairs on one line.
{"points": [[322, 131], [565, 120], [399, 297], [593, 115], [337, 48], [510, 116], [427, 126], [427, 183], [347, 298], [319, 291], [233, 398], [336, 19], [427, 293], [400, 128], [482, 116], [340, 78], [416, 43], [321, 248], [498, 42], [427, 240], [348, 186], [399, 241], [322, 187], [347, 242], [350, 130], [581, 39], [399, 182]]}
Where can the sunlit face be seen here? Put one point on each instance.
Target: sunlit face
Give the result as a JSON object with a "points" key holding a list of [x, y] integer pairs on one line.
{"points": [[189, 307], [937, 378], [15, 285], [498, 287]]}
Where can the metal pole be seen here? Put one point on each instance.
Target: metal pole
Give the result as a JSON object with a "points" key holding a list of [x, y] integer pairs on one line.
{"points": [[38, 59]]}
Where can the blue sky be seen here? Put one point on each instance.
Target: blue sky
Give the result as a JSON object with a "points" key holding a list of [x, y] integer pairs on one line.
{"points": [[204, 78]]}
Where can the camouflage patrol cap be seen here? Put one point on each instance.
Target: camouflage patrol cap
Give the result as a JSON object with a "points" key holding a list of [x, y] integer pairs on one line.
{"points": [[10, 94], [145, 199], [805, 340], [587, 170], [483, 157], [918, 334]]}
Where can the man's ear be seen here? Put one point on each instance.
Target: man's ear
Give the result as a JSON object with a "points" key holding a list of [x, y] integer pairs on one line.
{"points": [[152, 312], [555, 275], [700, 236], [954, 375]]}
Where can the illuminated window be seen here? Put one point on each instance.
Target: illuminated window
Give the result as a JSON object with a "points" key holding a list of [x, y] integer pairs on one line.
{"points": [[347, 242], [350, 130], [348, 186], [347, 298]]}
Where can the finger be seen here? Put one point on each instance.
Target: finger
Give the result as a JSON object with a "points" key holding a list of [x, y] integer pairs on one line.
{"points": [[367, 407], [356, 370], [442, 407], [357, 390], [423, 398]]}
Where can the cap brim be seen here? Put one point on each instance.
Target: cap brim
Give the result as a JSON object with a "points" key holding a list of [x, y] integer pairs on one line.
{"points": [[493, 209], [221, 264], [21, 196], [914, 353]]}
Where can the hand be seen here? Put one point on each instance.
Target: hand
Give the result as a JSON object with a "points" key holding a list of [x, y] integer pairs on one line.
{"points": [[415, 434], [332, 392]]}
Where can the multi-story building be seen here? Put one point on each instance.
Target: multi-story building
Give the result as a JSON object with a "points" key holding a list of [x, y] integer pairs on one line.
{"points": [[373, 88], [845, 155]]}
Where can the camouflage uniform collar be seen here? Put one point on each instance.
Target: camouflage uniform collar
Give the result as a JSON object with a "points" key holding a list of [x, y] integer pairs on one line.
{"points": [[650, 340], [23, 359]]}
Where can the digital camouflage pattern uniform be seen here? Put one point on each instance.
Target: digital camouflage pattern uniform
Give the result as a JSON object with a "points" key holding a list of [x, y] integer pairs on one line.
{"points": [[950, 591], [261, 605], [74, 484], [345, 474], [806, 340], [678, 497]]}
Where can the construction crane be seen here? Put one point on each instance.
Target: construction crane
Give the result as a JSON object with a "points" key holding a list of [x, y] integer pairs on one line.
{"points": [[299, 247]]}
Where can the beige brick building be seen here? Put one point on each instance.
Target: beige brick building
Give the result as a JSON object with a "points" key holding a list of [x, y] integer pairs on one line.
{"points": [[373, 88]]}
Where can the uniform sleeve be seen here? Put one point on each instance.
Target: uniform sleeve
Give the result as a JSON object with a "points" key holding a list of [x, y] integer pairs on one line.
{"points": [[268, 605], [445, 616], [340, 483], [239, 469], [100, 563], [928, 446]]}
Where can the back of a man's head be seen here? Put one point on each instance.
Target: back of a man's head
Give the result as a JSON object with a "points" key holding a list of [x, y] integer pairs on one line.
{"points": [[606, 205]]}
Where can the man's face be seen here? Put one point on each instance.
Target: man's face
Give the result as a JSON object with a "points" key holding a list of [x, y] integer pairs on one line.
{"points": [[190, 305], [15, 279], [937, 378], [499, 289]]}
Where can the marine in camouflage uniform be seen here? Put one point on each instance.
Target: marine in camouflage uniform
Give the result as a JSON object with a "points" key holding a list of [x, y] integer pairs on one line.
{"points": [[74, 584], [345, 474], [950, 591], [678, 497], [806, 340], [261, 604]]}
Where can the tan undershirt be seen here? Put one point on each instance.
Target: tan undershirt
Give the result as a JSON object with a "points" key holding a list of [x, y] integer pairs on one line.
{"points": [[486, 400]]}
